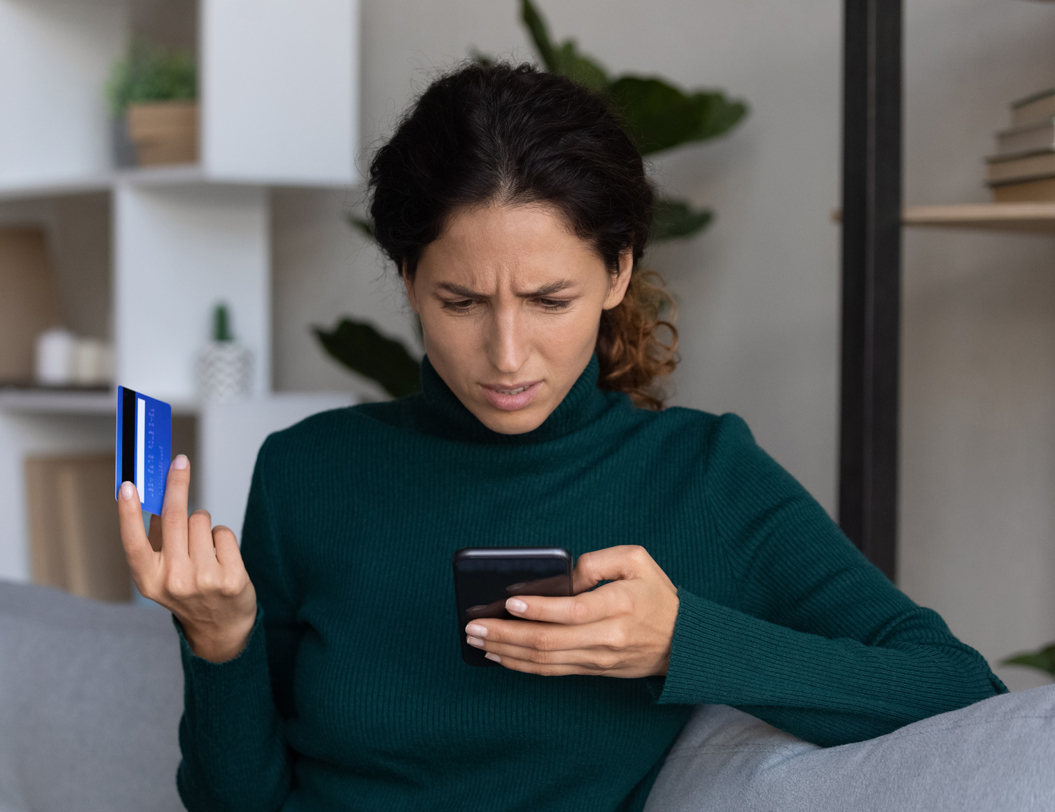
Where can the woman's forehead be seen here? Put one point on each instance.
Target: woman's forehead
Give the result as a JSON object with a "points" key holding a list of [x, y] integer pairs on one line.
{"points": [[524, 246]]}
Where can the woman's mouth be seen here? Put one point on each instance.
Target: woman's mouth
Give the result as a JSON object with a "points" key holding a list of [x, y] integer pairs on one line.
{"points": [[511, 398]]}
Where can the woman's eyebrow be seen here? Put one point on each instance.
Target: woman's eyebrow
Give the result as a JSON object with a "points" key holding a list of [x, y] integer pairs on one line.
{"points": [[552, 287], [458, 290], [545, 290]]}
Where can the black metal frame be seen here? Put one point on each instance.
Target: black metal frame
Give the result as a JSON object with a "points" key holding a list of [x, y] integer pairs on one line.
{"points": [[871, 278]]}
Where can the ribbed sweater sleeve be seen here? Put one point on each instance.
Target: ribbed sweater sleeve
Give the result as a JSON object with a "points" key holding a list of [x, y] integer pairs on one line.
{"points": [[235, 756], [822, 645]]}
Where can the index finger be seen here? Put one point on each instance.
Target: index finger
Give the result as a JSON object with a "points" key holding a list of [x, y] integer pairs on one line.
{"points": [[174, 544], [133, 535], [586, 607]]}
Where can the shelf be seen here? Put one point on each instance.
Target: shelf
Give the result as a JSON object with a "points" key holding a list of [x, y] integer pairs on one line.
{"points": [[143, 255], [44, 401], [72, 401], [258, 126], [1029, 217], [1035, 217], [175, 175]]}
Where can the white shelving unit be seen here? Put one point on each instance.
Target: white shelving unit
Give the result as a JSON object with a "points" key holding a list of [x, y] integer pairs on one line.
{"points": [[279, 98]]}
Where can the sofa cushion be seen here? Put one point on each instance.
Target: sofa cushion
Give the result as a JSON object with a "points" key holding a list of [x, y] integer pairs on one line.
{"points": [[996, 755], [91, 695]]}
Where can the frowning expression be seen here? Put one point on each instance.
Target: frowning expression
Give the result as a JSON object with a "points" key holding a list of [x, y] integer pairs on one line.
{"points": [[510, 301]]}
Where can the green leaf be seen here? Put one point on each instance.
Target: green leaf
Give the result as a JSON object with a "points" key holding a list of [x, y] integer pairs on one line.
{"points": [[479, 57], [564, 60], [536, 26], [579, 68], [1044, 659], [364, 225], [674, 219], [659, 116], [361, 348], [717, 114]]}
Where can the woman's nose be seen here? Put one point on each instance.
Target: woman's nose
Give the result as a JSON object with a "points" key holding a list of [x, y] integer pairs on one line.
{"points": [[507, 346]]}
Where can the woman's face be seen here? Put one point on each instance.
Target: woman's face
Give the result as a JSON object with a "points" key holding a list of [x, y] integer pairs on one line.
{"points": [[510, 302]]}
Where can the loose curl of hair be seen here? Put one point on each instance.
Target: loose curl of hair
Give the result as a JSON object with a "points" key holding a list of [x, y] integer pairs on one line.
{"points": [[513, 135]]}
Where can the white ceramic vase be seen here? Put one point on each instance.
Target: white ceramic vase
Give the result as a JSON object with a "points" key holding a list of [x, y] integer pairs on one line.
{"points": [[224, 371]]}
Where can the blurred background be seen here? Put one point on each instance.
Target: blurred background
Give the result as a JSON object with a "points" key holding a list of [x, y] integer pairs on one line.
{"points": [[196, 265]]}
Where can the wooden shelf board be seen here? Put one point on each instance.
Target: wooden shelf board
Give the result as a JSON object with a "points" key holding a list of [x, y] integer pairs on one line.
{"points": [[1031, 217], [1037, 217]]}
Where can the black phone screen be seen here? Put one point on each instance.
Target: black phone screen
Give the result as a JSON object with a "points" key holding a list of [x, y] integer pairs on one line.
{"points": [[485, 577]]}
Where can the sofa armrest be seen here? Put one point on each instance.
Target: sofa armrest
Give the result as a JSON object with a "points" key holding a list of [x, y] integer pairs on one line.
{"points": [[91, 695]]}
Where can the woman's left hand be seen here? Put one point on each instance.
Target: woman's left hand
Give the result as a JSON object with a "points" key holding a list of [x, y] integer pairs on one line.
{"points": [[621, 629]]}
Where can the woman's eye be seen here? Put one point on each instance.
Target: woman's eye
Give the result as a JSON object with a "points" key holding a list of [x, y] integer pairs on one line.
{"points": [[462, 304], [554, 304]]}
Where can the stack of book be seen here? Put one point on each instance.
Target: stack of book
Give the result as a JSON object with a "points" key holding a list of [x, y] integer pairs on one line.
{"points": [[1023, 169]]}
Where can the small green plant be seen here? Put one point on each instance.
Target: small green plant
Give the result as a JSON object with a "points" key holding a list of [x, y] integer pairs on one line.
{"points": [[655, 114], [151, 73], [1044, 659], [221, 326]]}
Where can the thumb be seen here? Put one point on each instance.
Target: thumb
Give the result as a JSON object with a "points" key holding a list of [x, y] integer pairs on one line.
{"points": [[610, 564]]}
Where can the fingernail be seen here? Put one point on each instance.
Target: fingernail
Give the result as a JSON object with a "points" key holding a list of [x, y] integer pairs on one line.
{"points": [[476, 630], [516, 605], [180, 461], [127, 491], [492, 656], [475, 641]]}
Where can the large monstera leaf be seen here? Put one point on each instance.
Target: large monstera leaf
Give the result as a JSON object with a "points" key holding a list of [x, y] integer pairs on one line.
{"points": [[655, 114], [676, 219], [361, 348], [659, 116], [565, 58]]}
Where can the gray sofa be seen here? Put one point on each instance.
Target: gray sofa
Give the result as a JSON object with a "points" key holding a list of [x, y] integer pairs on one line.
{"points": [[90, 700], [91, 696]]}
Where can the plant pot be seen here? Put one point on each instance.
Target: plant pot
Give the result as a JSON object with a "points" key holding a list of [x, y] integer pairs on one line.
{"points": [[124, 151], [164, 132], [224, 369]]}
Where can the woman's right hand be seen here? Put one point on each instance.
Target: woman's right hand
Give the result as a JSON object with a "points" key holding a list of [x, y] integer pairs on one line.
{"points": [[191, 568]]}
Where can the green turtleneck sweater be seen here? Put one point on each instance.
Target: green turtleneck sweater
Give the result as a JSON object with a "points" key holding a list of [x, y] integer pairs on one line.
{"points": [[351, 693]]}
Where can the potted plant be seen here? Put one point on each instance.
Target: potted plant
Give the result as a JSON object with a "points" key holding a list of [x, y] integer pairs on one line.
{"points": [[152, 94]]}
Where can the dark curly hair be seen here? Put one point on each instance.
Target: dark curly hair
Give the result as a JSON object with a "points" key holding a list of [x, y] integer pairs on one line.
{"points": [[512, 134]]}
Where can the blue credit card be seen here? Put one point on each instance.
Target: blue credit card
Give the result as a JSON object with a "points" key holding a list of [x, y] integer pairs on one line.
{"points": [[144, 446]]}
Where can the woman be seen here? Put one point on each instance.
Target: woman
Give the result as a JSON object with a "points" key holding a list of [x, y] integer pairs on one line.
{"points": [[324, 672]]}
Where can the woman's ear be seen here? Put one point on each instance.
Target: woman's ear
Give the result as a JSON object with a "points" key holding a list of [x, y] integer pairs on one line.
{"points": [[619, 284], [408, 283]]}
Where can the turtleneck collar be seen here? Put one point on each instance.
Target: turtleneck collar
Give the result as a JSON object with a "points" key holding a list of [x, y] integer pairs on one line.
{"points": [[448, 417]]}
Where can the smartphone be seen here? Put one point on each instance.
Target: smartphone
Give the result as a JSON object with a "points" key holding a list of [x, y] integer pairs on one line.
{"points": [[485, 577]]}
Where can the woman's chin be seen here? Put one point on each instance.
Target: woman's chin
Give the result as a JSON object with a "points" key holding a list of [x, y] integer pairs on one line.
{"points": [[519, 421]]}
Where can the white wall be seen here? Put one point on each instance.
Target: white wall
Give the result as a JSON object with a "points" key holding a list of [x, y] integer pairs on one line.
{"points": [[759, 291]]}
